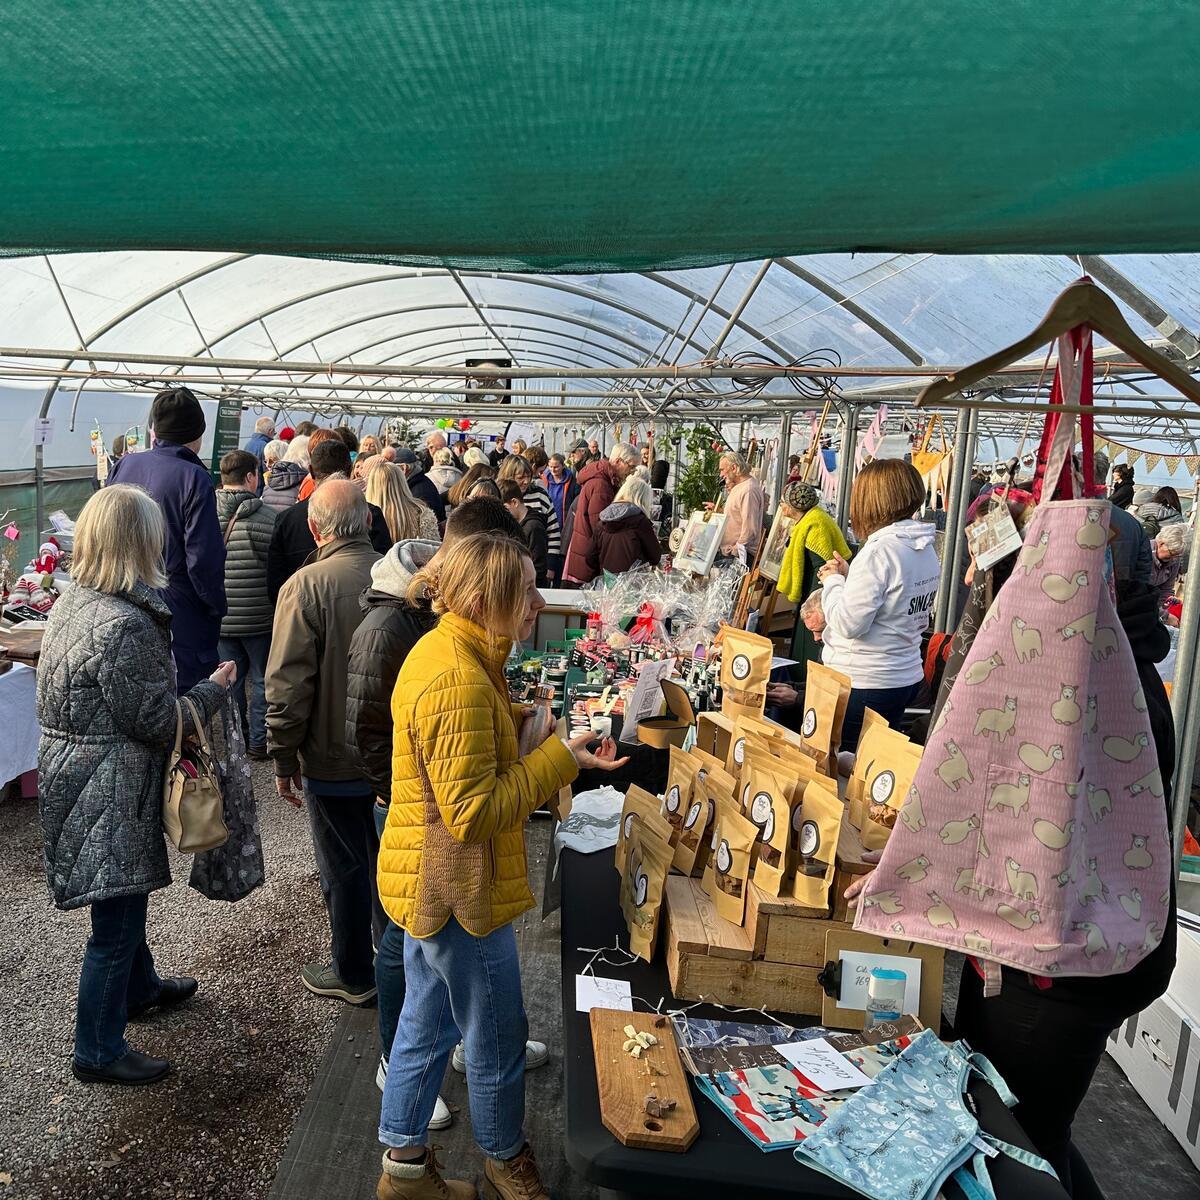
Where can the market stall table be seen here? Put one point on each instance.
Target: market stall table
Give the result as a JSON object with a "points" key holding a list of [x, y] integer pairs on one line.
{"points": [[18, 701], [723, 1161]]}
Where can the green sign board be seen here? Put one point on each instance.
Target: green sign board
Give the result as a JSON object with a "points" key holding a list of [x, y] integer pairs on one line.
{"points": [[227, 434]]}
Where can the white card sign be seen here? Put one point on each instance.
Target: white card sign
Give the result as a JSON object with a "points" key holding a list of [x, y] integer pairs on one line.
{"points": [[856, 974], [43, 431], [992, 537], [824, 1067], [594, 991]]}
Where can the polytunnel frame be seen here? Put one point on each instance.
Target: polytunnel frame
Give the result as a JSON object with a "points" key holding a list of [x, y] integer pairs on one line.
{"points": [[1174, 332]]}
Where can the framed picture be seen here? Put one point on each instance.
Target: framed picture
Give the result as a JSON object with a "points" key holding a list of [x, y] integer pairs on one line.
{"points": [[771, 561], [701, 541]]}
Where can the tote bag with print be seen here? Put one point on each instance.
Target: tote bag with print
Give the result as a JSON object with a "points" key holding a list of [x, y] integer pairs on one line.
{"points": [[1035, 832]]}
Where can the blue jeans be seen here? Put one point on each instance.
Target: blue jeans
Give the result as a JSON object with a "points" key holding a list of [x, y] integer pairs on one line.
{"points": [[389, 966], [118, 971], [889, 703], [250, 654], [459, 982]]}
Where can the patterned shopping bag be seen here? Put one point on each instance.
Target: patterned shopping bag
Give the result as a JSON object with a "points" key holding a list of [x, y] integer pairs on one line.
{"points": [[1035, 832]]}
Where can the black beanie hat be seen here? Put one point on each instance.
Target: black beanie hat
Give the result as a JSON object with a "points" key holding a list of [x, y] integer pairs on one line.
{"points": [[176, 417]]}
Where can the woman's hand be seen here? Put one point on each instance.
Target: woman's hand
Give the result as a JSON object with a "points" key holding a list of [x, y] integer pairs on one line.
{"points": [[837, 565], [225, 674], [860, 881], [604, 758], [782, 695]]}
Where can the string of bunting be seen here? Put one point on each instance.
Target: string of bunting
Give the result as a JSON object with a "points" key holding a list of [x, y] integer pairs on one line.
{"points": [[1133, 456]]}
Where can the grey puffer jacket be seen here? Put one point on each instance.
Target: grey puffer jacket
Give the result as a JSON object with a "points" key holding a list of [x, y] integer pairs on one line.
{"points": [[106, 704], [250, 610], [283, 485]]}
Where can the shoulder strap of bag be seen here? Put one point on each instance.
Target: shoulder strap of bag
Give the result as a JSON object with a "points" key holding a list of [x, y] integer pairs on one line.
{"points": [[229, 527], [1072, 386], [178, 747]]}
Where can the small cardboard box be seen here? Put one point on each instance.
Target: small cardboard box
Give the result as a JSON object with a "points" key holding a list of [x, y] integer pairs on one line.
{"points": [[1159, 1050], [672, 729]]}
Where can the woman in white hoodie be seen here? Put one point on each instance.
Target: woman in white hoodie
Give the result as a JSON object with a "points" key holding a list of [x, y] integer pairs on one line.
{"points": [[878, 606]]}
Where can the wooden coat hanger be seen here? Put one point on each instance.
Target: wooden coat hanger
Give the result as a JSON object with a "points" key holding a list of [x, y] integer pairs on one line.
{"points": [[1082, 303]]}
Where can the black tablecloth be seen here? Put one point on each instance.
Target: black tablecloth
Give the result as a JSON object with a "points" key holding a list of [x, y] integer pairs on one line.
{"points": [[722, 1160]]}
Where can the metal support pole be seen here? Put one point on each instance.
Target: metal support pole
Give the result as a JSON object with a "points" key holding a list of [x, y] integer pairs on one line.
{"points": [[959, 470], [675, 513], [1184, 708], [781, 459], [846, 463], [740, 307], [962, 501]]}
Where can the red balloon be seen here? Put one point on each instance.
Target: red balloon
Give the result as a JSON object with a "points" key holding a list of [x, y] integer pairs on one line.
{"points": [[464, 424]]}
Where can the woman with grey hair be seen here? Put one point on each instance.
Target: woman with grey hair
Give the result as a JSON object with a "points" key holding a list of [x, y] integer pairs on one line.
{"points": [[285, 476], [106, 704]]}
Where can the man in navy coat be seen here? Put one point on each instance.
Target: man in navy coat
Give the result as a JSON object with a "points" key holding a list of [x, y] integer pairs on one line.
{"points": [[195, 548]]}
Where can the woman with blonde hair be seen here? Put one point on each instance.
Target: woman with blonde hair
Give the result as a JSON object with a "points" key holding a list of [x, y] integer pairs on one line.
{"points": [[453, 872], [407, 518], [461, 491], [474, 457], [106, 705], [369, 445], [878, 606]]}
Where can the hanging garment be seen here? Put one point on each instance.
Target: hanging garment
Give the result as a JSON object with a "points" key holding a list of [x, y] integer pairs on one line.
{"points": [[1035, 832], [904, 1135]]}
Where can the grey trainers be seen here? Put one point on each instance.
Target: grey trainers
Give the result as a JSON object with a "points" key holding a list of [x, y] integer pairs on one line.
{"points": [[322, 980], [537, 1054]]}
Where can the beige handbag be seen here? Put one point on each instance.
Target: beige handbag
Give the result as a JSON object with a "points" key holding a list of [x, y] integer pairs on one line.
{"points": [[193, 809]]}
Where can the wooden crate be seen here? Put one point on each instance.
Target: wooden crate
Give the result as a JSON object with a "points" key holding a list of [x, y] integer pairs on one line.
{"points": [[740, 984], [713, 731]]}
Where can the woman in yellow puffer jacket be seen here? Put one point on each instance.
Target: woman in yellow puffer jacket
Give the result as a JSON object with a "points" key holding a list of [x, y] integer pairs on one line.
{"points": [[452, 868]]}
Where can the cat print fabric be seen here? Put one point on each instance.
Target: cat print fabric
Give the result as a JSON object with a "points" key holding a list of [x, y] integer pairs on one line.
{"points": [[1035, 832]]}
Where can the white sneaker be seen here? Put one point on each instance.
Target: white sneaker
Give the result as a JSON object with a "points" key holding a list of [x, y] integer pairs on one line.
{"points": [[537, 1054], [442, 1116]]}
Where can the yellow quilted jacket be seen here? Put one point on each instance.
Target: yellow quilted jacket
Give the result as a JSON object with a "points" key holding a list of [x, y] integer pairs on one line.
{"points": [[454, 844]]}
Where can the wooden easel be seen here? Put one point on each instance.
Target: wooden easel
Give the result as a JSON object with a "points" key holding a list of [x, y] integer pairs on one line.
{"points": [[810, 455]]}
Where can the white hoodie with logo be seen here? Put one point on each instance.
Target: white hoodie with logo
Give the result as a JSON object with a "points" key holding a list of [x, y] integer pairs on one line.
{"points": [[876, 614]]}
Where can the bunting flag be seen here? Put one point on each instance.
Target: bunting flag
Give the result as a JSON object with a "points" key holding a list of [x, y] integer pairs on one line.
{"points": [[1192, 461], [1172, 461], [828, 480], [1133, 457], [1152, 460]]}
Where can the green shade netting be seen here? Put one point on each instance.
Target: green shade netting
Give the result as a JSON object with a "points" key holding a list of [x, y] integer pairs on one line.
{"points": [[599, 135]]}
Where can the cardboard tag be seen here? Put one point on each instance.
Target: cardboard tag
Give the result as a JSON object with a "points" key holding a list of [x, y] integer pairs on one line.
{"points": [[856, 975], [993, 537]]}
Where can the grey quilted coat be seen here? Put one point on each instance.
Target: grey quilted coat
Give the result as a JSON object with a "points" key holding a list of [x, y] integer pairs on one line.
{"points": [[250, 611], [105, 700]]}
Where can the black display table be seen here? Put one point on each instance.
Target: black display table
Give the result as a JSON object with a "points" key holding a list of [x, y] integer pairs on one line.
{"points": [[723, 1161]]}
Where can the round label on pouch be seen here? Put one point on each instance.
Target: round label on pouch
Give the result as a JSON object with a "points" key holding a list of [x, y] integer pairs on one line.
{"points": [[809, 727], [740, 667], [629, 825], [797, 818], [673, 798], [693, 815], [739, 751], [810, 838], [760, 809], [883, 786], [769, 826], [640, 886], [724, 857]]}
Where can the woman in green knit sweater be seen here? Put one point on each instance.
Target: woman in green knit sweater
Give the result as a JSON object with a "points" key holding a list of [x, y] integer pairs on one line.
{"points": [[814, 540]]}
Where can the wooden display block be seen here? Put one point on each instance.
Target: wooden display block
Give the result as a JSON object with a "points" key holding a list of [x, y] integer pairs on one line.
{"points": [[713, 731], [933, 961], [850, 849], [762, 908], [701, 929], [779, 987], [625, 1081]]}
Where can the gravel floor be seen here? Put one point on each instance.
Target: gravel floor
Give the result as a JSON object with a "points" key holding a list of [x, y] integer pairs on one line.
{"points": [[245, 1050]]}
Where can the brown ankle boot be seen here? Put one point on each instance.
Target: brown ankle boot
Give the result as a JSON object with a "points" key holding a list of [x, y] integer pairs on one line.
{"points": [[419, 1180], [515, 1179]]}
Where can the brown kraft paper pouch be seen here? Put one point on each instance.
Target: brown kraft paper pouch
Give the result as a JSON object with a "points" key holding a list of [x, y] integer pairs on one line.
{"points": [[723, 805], [854, 785], [640, 806], [819, 712], [745, 672], [647, 864], [889, 765], [816, 824], [745, 732], [691, 849], [769, 808], [707, 761], [731, 862], [843, 687], [678, 794]]}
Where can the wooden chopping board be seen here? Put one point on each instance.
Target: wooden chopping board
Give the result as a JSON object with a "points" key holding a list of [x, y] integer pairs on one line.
{"points": [[624, 1083], [24, 645]]}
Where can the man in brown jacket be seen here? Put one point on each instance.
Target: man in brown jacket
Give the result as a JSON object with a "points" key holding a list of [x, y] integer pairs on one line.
{"points": [[598, 484], [307, 676]]}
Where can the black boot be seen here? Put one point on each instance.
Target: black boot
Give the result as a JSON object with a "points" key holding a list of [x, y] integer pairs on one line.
{"points": [[133, 1069], [171, 992]]}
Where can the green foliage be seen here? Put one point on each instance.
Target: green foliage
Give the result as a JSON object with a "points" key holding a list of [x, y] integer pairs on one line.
{"points": [[699, 480]]}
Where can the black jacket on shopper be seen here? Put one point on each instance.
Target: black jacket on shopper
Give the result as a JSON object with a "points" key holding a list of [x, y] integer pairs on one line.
{"points": [[389, 630], [291, 543]]}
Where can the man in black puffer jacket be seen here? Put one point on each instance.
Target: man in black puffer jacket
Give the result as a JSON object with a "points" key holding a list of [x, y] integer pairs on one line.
{"points": [[390, 629]]}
